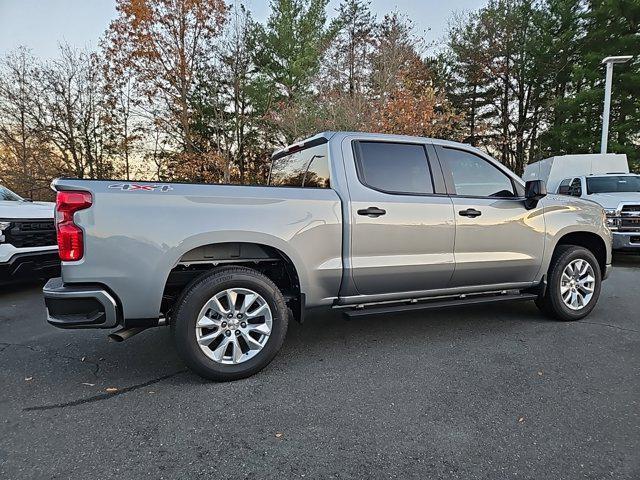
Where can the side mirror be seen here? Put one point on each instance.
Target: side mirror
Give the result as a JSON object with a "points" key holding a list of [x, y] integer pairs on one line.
{"points": [[534, 191]]}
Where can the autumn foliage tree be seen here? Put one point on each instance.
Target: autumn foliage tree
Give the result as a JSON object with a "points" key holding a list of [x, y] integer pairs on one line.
{"points": [[197, 90], [416, 107], [407, 99], [164, 43]]}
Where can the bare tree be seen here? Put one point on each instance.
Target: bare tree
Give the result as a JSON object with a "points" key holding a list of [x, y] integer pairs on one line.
{"points": [[26, 158], [71, 111]]}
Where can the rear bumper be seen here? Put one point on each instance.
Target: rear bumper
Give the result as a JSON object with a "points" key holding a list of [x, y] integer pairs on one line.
{"points": [[30, 266], [626, 241], [79, 306]]}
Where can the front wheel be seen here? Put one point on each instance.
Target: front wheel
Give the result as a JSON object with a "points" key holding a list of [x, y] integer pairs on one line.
{"points": [[230, 323], [574, 283]]}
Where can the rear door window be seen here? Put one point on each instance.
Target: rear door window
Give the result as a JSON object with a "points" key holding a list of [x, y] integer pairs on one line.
{"points": [[400, 168]]}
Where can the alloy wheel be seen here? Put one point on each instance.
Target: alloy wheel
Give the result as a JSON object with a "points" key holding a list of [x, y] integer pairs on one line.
{"points": [[577, 284], [234, 326]]}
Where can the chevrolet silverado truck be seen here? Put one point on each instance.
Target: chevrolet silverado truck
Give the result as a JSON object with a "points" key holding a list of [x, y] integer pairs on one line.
{"points": [[364, 223], [28, 249]]}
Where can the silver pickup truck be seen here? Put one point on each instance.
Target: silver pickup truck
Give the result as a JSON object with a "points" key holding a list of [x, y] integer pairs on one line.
{"points": [[365, 223]]}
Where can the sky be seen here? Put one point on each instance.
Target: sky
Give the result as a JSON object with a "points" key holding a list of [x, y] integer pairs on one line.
{"points": [[41, 25]]}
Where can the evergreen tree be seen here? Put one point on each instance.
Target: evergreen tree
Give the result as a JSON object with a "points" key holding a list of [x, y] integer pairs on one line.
{"points": [[288, 49], [353, 43], [607, 28], [469, 80]]}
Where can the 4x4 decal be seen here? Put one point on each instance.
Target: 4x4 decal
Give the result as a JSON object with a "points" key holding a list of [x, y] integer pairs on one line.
{"points": [[129, 187]]}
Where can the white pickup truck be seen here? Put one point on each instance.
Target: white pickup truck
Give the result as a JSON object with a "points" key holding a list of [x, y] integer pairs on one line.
{"points": [[28, 248], [603, 179]]}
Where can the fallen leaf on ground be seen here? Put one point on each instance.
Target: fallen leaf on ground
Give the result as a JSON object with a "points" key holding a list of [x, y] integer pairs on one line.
{"points": [[82, 359], [112, 389], [521, 419], [28, 379], [89, 384], [279, 434], [540, 373]]}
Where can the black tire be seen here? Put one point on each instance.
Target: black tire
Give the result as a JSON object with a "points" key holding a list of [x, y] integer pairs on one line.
{"points": [[551, 303], [193, 300]]}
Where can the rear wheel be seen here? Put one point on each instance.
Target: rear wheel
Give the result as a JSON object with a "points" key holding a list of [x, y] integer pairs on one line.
{"points": [[230, 323], [573, 286]]}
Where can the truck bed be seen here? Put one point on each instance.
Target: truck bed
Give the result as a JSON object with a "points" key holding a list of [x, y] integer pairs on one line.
{"points": [[135, 234]]}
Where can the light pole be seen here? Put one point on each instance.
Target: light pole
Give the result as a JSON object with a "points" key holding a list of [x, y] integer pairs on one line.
{"points": [[609, 61]]}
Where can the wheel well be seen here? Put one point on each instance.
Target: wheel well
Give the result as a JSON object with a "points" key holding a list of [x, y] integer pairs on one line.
{"points": [[591, 242], [270, 261]]}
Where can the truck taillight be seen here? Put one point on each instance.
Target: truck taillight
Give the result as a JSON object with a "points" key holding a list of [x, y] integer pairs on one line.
{"points": [[70, 238]]}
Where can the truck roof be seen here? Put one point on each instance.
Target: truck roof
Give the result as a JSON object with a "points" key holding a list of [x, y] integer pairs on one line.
{"points": [[324, 137]]}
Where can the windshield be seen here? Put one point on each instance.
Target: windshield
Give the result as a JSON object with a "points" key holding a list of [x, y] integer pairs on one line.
{"points": [[613, 184], [8, 195]]}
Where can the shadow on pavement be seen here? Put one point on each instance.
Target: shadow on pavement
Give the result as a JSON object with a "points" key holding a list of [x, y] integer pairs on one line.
{"points": [[85, 363], [8, 289], [628, 260], [327, 342]]}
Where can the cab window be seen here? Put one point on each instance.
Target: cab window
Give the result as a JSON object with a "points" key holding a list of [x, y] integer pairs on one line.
{"points": [[317, 175], [575, 189], [305, 168], [8, 195], [563, 188]]}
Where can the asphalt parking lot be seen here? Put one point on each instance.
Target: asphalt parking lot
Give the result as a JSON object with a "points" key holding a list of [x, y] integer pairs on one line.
{"points": [[496, 392]]}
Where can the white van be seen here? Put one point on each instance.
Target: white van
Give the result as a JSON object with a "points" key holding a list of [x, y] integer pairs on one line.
{"points": [[602, 178]]}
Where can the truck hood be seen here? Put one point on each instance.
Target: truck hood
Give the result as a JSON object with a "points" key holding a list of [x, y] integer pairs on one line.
{"points": [[26, 210], [612, 200]]}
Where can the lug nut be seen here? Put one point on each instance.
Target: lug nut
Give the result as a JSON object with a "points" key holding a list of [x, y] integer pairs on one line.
{"points": [[228, 333], [224, 324], [237, 333], [230, 315], [243, 324], [239, 315]]}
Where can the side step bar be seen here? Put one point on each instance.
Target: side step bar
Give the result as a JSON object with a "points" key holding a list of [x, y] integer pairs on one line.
{"points": [[443, 303]]}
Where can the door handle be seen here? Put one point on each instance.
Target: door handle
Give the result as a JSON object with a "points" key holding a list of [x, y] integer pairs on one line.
{"points": [[372, 212], [470, 212]]}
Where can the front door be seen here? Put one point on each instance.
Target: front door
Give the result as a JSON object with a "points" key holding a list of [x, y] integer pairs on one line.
{"points": [[402, 231], [498, 241]]}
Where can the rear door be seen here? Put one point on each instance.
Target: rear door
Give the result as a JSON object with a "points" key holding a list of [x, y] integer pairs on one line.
{"points": [[402, 224], [498, 241]]}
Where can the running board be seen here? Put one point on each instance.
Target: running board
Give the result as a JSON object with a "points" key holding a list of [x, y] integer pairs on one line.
{"points": [[444, 303]]}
